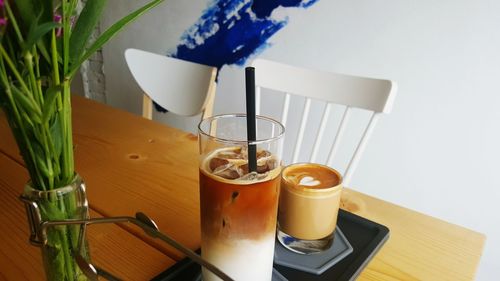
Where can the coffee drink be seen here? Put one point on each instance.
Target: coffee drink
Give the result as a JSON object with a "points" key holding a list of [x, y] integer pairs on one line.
{"points": [[238, 213], [308, 207]]}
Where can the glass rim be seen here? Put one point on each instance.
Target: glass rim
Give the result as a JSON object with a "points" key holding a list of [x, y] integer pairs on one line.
{"points": [[241, 115], [31, 192]]}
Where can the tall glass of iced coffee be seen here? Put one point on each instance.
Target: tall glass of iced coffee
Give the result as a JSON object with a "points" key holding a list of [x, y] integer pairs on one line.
{"points": [[239, 208]]}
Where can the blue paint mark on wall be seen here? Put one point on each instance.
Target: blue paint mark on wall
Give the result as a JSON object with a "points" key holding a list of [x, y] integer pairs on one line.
{"points": [[229, 31]]}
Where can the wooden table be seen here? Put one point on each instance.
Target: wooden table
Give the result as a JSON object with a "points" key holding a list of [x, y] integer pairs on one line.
{"points": [[132, 164]]}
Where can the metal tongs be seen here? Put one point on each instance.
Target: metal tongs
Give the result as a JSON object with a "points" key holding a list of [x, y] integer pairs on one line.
{"points": [[38, 237]]}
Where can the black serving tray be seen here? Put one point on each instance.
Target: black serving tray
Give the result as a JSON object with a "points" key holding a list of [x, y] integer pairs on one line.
{"points": [[365, 236], [316, 263]]}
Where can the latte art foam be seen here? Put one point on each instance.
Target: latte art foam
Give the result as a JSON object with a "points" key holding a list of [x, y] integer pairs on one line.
{"points": [[309, 181], [309, 176]]}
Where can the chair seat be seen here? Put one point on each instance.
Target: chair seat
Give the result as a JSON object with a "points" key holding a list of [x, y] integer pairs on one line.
{"points": [[181, 87]]}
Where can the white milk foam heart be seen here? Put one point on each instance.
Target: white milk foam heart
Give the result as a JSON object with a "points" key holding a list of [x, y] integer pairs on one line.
{"points": [[309, 181]]}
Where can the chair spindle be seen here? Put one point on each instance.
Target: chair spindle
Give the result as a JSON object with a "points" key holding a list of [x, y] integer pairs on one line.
{"points": [[300, 137], [360, 148], [338, 135], [321, 132]]}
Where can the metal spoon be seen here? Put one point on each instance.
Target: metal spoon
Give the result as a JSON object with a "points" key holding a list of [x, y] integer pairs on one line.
{"points": [[142, 221], [87, 268], [150, 227], [93, 272]]}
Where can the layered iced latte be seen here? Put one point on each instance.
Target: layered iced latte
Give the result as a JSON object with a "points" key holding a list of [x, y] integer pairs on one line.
{"points": [[238, 212]]}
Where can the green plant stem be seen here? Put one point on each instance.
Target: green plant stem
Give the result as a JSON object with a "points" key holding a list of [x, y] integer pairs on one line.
{"points": [[14, 69], [28, 60], [62, 240], [52, 151], [10, 48], [48, 159], [56, 82], [43, 133], [55, 68], [67, 153], [72, 6], [46, 128], [55, 65], [25, 141], [37, 177], [14, 22], [64, 237], [68, 161], [37, 70], [66, 21]]}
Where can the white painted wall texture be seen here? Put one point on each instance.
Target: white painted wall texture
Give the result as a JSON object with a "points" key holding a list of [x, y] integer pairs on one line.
{"points": [[438, 151]]}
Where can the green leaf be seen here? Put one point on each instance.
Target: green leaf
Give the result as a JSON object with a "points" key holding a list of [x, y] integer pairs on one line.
{"points": [[40, 162], [57, 138], [49, 104], [37, 147], [43, 50], [29, 105], [36, 33], [47, 14], [27, 10], [13, 50], [47, 11], [85, 25], [40, 157], [27, 120], [109, 33]]}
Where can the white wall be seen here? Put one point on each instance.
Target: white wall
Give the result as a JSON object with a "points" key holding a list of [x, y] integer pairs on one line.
{"points": [[438, 151]]}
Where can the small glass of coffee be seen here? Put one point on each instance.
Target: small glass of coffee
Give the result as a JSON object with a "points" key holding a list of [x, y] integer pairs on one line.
{"points": [[308, 207]]}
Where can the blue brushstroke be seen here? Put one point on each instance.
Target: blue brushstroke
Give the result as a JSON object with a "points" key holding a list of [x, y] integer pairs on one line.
{"points": [[230, 31], [264, 8]]}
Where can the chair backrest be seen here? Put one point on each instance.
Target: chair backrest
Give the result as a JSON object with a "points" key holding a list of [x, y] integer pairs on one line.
{"points": [[375, 95], [183, 88]]}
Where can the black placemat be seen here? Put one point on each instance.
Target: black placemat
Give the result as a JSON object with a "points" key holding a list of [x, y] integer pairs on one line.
{"points": [[365, 236], [315, 263]]}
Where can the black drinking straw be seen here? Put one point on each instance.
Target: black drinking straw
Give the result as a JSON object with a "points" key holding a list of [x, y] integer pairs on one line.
{"points": [[251, 134]]}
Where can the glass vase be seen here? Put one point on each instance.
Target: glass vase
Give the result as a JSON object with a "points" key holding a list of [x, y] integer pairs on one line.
{"points": [[63, 241]]}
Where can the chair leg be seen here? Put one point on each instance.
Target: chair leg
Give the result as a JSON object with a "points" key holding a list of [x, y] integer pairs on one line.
{"points": [[147, 107], [208, 109]]}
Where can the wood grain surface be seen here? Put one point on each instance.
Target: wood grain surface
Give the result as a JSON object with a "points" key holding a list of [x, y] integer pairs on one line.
{"points": [[142, 166], [112, 248], [132, 164], [420, 247], [18, 259]]}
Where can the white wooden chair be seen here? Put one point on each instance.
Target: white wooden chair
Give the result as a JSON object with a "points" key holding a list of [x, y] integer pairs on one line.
{"points": [[183, 88], [375, 95]]}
